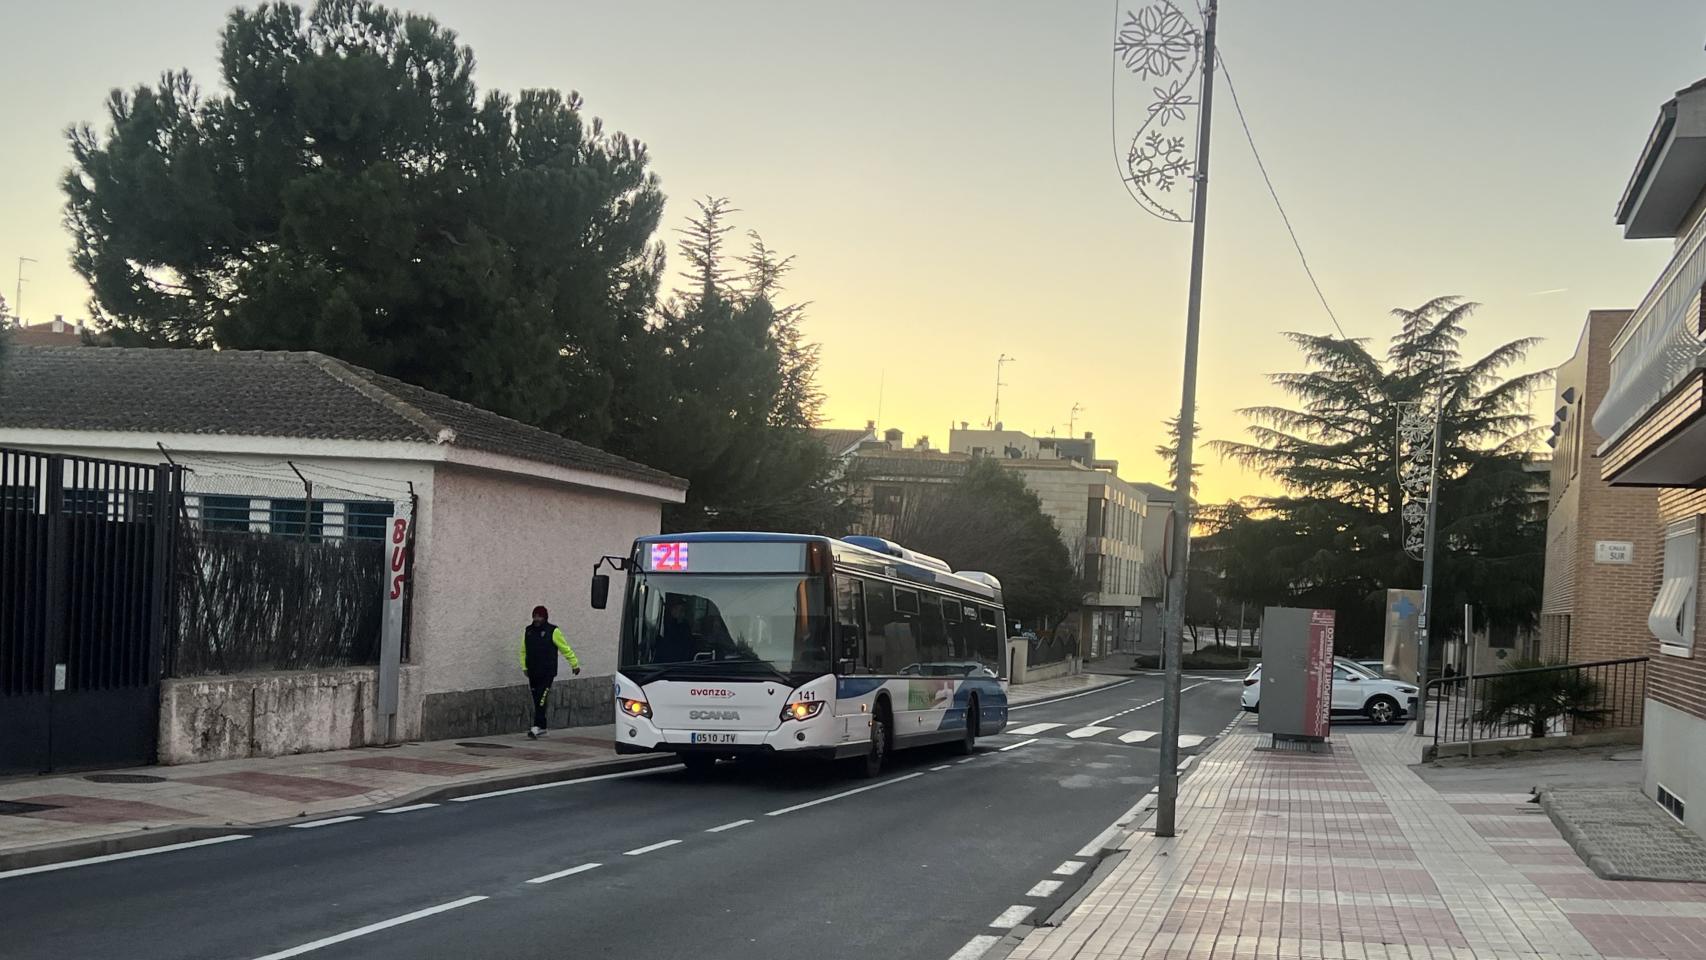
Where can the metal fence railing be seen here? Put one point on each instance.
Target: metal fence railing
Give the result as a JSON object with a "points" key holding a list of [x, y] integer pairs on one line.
{"points": [[1537, 702]]}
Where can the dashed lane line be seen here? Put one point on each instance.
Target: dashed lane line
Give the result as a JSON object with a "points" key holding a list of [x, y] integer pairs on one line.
{"points": [[846, 793], [370, 928], [1015, 746], [650, 847], [560, 874], [1145, 706], [1012, 916], [975, 947], [653, 771], [729, 826], [1044, 888], [411, 808]]}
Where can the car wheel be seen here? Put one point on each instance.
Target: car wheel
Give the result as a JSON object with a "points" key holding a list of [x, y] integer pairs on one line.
{"points": [[966, 744], [1382, 709]]}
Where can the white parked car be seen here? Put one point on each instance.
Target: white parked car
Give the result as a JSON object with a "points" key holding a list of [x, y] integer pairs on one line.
{"points": [[1357, 691]]}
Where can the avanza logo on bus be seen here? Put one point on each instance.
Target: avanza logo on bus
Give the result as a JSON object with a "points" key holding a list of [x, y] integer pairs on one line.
{"points": [[710, 692]]}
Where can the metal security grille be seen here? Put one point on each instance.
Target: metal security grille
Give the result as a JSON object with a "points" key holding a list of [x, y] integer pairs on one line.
{"points": [[85, 567]]}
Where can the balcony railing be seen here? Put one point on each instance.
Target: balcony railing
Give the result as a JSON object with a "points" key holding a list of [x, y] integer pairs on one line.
{"points": [[1659, 345]]}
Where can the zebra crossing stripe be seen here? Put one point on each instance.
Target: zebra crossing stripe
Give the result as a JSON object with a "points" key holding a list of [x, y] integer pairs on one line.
{"points": [[1089, 731], [1138, 736], [1035, 729]]}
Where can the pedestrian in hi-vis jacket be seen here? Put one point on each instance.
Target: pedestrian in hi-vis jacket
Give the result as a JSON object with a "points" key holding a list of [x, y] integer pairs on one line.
{"points": [[539, 645]]}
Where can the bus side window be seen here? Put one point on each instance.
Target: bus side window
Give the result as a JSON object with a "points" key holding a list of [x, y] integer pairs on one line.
{"points": [[879, 618], [849, 621], [989, 646]]}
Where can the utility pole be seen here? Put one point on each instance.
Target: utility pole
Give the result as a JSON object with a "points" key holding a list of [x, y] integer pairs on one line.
{"points": [[1173, 643], [1428, 551], [1000, 362]]}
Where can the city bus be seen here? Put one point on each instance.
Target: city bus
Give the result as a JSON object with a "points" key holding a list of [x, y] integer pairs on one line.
{"points": [[757, 644]]}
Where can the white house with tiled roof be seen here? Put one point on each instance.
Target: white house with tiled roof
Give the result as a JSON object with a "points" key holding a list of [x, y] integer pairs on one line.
{"points": [[506, 516]]}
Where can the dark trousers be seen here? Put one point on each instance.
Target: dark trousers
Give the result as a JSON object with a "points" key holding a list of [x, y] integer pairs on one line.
{"points": [[541, 690]]}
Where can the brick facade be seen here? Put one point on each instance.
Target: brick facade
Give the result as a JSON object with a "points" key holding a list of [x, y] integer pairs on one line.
{"points": [[1590, 610]]}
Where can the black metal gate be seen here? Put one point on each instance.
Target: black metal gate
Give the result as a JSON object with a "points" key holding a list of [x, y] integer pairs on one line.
{"points": [[85, 570]]}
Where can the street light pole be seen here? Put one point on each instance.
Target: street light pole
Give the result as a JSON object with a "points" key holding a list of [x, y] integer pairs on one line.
{"points": [[1423, 619], [1168, 786]]}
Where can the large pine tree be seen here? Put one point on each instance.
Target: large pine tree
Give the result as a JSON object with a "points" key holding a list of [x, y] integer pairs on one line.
{"points": [[1334, 538]]}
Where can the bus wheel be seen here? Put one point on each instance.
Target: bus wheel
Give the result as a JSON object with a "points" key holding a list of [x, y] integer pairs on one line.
{"points": [[698, 762], [871, 764], [966, 744]]}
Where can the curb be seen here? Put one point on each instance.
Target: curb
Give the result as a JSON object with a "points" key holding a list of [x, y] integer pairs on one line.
{"points": [[145, 838], [1110, 680]]}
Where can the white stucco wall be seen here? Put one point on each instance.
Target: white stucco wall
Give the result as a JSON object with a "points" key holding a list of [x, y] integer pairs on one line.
{"points": [[497, 545]]}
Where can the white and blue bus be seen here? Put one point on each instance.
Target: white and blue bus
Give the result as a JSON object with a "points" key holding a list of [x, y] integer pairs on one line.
{"points": [[743, 644]]}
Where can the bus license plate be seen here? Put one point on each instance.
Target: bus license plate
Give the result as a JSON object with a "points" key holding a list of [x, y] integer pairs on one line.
{"points": [[711, 738]]}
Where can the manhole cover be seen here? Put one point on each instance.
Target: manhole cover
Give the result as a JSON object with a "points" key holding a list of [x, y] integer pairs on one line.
{"points": [[476, 745], [123, 778], [18, 807]]}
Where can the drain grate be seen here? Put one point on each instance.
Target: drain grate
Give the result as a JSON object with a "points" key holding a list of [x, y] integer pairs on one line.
{"points": [[477, 745], [17, 808], [123, 778]]}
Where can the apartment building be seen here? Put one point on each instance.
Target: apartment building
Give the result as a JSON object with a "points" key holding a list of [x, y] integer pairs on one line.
{"points": [[1652, 425], [1597, 560]]}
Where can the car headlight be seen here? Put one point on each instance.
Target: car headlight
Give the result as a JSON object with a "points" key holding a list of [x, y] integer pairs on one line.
{"points": [[802, 710], [1406, 690], [634, 708]]}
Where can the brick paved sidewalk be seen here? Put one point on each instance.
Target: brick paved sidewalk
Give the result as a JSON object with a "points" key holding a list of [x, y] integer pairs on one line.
{"points": [[41, 815], [1351, 855]]}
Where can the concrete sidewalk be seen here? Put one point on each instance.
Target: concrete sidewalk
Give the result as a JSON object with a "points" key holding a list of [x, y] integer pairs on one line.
{"points": [[1060, 687], [1351, 855], [48, 818]]}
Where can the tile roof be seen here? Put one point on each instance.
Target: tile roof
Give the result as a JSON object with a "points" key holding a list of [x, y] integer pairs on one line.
{"points": [[268, 394], [839, 440]]}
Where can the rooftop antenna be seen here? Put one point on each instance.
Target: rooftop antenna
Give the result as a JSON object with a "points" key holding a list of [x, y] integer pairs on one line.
{"points": [[1072, 422], [882, 381], [1000, 362], [18, 291]]}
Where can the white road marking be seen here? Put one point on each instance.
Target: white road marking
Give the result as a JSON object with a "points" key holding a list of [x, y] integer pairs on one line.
{"points": [[1188, 740], [1101, 840], [729, 826], [1088, 731], [1069, 868], [641, 851], [370, 928], [104, 858], [975, 947], [1035, 728], [410, 808], [1012, 916], [322, 823], [1138, 736], [1143, 706], [1185, 763], [1015, 746], [1075, 696], [966, 760], [844, 793], [560, 874], [940, 767], [1044, 888], [562, 783]]}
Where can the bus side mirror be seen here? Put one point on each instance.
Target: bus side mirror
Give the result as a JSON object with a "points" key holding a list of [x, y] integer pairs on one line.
{"points": [[600, 591]]}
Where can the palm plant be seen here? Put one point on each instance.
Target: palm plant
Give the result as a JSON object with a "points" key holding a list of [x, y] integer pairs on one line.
{"points": [[1528, 695]]}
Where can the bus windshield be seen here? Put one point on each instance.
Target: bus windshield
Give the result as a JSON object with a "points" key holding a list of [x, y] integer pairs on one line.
{"points": [[772, 623]]}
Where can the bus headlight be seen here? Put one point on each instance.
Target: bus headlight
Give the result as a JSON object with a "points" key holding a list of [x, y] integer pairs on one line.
{"points": [[634, 708], [802, 710]]}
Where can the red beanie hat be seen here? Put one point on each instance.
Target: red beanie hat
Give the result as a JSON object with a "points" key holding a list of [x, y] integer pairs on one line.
{"points": [[542, 613]]}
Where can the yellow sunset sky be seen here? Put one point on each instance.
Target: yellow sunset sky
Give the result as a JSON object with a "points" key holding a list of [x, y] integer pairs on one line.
{"points": [[945, 173]]}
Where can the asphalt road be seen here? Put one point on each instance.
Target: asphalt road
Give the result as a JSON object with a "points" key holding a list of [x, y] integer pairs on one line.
{"points": [[748, 863]]}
